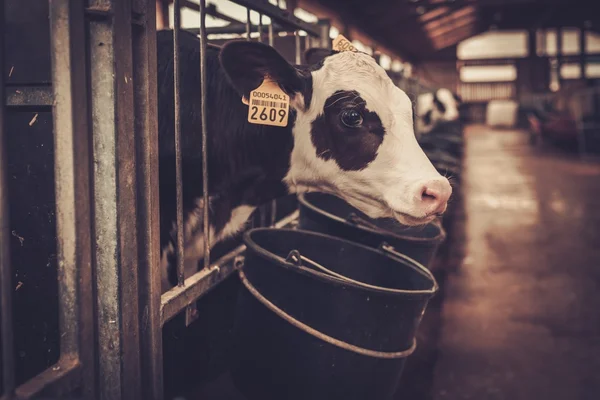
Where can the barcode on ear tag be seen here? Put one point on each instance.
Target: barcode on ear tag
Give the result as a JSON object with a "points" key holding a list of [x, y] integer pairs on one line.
{"points": [[268, 105], [340, 43]]}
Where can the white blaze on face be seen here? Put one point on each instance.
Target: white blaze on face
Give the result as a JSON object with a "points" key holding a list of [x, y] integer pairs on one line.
{"points": [[376, 166]]}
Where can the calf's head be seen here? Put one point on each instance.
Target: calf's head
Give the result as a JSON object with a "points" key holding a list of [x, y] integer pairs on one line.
{"points": [[353, 131], [441, 105]]}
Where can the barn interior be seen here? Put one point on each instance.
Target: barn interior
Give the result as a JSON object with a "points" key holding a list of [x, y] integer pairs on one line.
{"points": [[516, 273]]}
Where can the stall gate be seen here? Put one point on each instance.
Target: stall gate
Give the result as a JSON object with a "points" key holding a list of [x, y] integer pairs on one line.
{"points": [[103, 101]]}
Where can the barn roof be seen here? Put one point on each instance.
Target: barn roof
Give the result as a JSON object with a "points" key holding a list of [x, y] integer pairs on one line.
{"points": [[423, 29]]}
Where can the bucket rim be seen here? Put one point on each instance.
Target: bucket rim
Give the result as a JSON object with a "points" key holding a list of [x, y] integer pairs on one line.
{"points": [[318, 334], [404, 260], [439, 238]]}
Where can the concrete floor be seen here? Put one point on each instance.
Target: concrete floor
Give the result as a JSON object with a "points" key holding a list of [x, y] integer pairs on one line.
{"points": [[521, 316]]}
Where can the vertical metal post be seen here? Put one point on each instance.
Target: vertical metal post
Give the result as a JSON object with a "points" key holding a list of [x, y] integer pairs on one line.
{"points": [[115, 206], [179, 249], [73, 193], [260, 27], [203, 98], [273, 216], [6, 286], [146, 103], [248, 25], [582, 51], [297, 46], [559, 53], [325, 27], [271, 34]]}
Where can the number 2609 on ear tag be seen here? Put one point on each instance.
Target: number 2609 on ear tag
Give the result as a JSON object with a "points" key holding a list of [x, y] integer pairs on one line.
{"points": [[268, 105]]}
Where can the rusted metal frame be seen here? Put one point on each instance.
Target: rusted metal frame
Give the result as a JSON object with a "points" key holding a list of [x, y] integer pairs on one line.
{"points": [[72, 185], [6, 282], [115, 211], [146, 136], [179, 242], [203, 281], [55, 382], [204, 125]]}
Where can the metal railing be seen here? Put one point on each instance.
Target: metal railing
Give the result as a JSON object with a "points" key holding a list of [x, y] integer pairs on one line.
{"points": [[104, 107]]}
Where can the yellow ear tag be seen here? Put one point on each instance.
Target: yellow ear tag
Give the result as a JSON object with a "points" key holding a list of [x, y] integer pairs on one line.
{"points": [[268, 105], [340, 43]]}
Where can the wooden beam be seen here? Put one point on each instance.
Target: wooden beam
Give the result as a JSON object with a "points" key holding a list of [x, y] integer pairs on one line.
{"points": [[452, 27], [434, 14], [458, 36], [456, 15]]}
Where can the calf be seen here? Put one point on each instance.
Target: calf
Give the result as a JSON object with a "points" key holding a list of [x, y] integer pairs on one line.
{"points": [[441, 105], [349, 133]]}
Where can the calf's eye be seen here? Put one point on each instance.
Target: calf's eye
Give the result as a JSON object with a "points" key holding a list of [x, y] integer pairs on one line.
{"points": [[351, 118]]}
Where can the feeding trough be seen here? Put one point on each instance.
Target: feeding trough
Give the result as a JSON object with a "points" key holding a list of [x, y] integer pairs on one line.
{"points": [[319, 317], [331, 215]]}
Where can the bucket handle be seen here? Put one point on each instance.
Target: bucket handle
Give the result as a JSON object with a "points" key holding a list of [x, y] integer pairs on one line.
{"points": [[295, 258], [357, 220], [319, 335], [391, 251]]}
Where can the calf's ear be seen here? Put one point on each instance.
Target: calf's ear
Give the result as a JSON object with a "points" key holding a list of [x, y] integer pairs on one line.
{"points": [[247, 64], [315, 55]]}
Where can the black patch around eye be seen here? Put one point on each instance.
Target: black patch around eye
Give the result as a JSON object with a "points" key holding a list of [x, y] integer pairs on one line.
{"points": [[351, 148], [440, 106], [427, 117]]}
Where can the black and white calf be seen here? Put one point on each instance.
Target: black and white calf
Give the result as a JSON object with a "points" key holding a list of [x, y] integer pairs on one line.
{"points": [[441, 105], [349, 133]]}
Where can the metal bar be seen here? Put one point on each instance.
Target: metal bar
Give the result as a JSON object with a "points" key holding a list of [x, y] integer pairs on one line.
{"points": [[297, 48], [197, 285], [273, 216], [260, 27], [271, 35], [582, 51], [72, 172], [283, 17], [179, 250], [35, 96], [58, 381], [324, 26], [146, 128], [115, 211], [203, 97], [6, 282], [248, 24]]}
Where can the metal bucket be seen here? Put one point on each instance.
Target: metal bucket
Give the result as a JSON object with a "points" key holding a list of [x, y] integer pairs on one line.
{"points": [[319, 317], [329, 214]]}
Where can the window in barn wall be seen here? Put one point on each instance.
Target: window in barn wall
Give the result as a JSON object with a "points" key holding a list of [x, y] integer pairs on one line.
{"points": [[385, 61], [488, 73], [333, 32], [573, 71], [570, 42], [306, 16], [592, 42], [510, 44]]}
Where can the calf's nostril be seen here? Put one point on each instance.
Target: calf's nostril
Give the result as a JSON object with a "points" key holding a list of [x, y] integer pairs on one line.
{"points": [[429, 194]]}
